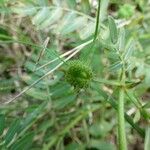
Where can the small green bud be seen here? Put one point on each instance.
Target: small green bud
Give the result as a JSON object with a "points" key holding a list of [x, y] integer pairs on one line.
{"points": [[78, 74]]}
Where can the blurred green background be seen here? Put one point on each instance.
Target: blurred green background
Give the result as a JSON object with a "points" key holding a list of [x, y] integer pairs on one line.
{"points": [[52, 115]]}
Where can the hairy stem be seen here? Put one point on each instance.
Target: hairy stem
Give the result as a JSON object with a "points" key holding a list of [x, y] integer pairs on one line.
{"points": [[121, 122]]}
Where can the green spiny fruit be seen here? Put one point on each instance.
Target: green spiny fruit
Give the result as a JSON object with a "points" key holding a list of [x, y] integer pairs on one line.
{"points": [[78, 74]]}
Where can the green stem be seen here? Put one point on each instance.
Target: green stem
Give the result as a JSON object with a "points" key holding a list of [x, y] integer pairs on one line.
{"points": [[95, 33], [109, 99], [97, 22], [121, 122]]}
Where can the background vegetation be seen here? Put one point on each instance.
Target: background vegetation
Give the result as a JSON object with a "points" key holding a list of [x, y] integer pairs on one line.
{"points": [[37, 40]]}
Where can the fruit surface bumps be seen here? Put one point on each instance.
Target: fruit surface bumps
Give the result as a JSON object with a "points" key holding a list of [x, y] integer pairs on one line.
{"points": [[78, 74]]}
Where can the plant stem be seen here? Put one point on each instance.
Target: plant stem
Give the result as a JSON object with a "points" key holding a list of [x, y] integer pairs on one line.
{"points": [[121, 122]]}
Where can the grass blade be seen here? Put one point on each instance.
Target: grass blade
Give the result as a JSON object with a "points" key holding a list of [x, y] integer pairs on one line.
{"points": [[2, 123]]}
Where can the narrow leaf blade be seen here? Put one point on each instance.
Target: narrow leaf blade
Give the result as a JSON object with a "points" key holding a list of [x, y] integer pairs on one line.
{"points": [[2, 123], [12, 131], [24, 143], [113, 30], [147, 140], [103, 9]]}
